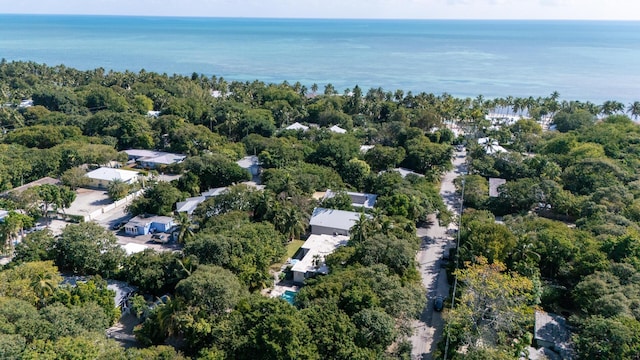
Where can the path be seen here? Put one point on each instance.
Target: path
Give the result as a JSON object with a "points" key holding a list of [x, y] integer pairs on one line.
{"points": [[435, 240]]}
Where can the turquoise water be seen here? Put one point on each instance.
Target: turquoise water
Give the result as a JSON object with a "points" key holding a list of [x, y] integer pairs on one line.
{"points": [[593, 61], [289, 296]]}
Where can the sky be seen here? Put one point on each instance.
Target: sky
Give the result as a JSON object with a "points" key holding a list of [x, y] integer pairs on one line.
{"points": [[373, 9]]}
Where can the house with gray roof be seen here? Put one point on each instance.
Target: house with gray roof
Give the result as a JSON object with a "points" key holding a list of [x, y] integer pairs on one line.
{"points": [[151, 159], [551, 332], [494, 184], [362, 200], [332, 222], [297, 126]]}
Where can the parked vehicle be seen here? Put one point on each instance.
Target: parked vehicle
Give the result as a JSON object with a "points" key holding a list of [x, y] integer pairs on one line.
{"points": [[160, 238], [438, 303]]}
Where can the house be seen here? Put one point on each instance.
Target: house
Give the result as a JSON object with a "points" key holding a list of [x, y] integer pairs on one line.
{"points": [[312, 255], [332, 222], [41, 181], [405, 172], [365, 148], [251, 164], [3, 214], [100, 178], [494, 184], [140, 225], [337, 129], [150, 159], [491, 146], [297, 126], [190, 204], [362, 200], [551, 332]]}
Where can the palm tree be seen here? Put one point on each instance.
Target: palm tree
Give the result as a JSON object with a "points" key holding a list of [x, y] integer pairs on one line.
{"points": [[185, 224], [634, 109], [294, 224], [361, 229], [44, 284]]}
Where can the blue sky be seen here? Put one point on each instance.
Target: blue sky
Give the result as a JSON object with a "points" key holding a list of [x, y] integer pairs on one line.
{"points": [[402, 9]]}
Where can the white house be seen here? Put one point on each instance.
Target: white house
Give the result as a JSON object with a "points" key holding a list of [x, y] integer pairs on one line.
{"points": [[332, 222], [190, 204], [337, 129], [362, 200], [404, 172], [100, 178], [313, 252], [297, 126]]}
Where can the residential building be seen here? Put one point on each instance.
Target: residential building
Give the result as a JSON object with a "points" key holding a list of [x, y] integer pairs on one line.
{"points": [[297, 126], [3, 214], [362, 200], [313, 253], [494, 183], [100, 178], [332, 222], [190, 204], [150, 159], [140, 225], [251, 164], [551, 332], [405, 172], [337, 129]]}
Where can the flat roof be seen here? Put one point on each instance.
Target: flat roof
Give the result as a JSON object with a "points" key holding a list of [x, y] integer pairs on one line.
{"points": [[248, 161], [110, 174], [142, 221], [494, 183], [552, 328], [357, 199], [336, 219], [190, 204], [319, 245], [158, 157]]}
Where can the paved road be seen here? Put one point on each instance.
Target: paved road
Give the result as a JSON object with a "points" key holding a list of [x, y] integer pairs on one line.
{"points": [[435, 241]]}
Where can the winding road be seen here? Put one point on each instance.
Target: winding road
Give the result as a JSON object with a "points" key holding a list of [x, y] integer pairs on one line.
{"points": [[435, 241]]}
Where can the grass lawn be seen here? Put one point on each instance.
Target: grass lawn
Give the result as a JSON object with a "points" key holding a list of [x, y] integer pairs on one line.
{"points": [[292, 248]]}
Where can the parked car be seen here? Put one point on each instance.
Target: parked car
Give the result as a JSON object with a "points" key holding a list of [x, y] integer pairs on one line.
{"points": [[160, 238], [438, 303]]}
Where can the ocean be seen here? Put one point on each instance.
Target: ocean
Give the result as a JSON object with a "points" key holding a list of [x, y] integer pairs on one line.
{"points": [[582, 60]]}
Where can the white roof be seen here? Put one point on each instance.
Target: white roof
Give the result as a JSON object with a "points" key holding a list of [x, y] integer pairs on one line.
{"points": [[248, 161], [110, 174], [3, 213], [320, 245], [297, 126], [491, 146], [404, 172], [132, 248], [335, 219], [189, 204], [337, 129], [365, 148]]}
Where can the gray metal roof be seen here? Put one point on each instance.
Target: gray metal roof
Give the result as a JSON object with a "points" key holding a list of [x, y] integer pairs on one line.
{"points": [[336, 219]]}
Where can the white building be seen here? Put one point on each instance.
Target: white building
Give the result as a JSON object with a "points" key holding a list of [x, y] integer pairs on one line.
{"points": [[404, 172], [297, 126], [314, 251], [100, 178], [332, 222], [150, 159], [337, 129]]}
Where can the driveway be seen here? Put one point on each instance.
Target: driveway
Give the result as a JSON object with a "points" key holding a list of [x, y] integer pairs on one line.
{"points": [[435, 241]]}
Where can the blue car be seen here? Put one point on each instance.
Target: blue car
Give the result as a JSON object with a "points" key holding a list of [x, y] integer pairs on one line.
{"points": [[438, 303]]}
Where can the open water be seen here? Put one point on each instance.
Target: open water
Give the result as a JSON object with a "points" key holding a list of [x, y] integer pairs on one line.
{"points": [[582, 60]]}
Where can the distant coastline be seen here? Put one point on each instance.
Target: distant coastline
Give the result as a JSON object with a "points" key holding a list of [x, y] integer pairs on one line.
{"points": [[584, 60]]}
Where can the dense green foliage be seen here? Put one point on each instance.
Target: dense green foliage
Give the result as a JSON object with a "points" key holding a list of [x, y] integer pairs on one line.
{"points": [[585, 174]]}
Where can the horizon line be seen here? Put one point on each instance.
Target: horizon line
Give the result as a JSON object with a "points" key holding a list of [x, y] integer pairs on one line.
{"points": [[324, 18]]}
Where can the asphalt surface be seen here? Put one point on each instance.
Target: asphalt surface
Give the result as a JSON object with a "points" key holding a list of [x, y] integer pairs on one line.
{"points": [[435, 241]]}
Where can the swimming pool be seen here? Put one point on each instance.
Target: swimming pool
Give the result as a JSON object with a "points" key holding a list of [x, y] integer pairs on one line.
{"points": [[288, 296]]}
